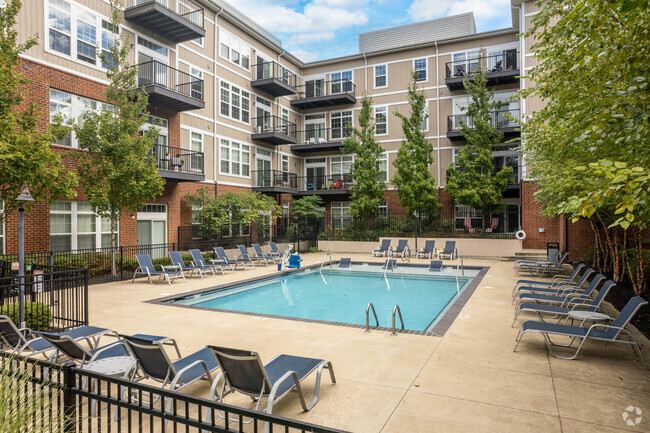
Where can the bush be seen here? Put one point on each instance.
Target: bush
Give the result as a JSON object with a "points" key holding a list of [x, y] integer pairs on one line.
{"points": [[37, 315]]}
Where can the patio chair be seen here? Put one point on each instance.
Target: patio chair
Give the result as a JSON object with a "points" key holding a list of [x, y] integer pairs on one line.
{"points": [[607, 333], [259, 255], [402, 249], [556, 281], [243, 371], [177, 260], [198, 260], [428, 251], [449, 251], [345, 262], [554, 311], [549, 290], [382, 249], [223, 258], [493, 226], [562, 295], [468, 225], [539, 269], [337, 185], [294, 261], [275, 252], [75, 352], [244, 256], [436, 265], [146, 267], [553, 257]]}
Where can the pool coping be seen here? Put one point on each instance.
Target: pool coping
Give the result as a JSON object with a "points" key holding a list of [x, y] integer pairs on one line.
{"points": [[439, 330]]}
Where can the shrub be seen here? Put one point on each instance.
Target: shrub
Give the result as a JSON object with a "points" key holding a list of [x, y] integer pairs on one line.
{"points": [[37, 315]]}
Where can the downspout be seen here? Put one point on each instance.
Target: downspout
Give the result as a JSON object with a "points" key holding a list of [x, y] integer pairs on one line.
{"points": [[214, 102], [438, 117], [365, 72], [522, 105], [278, 114]]}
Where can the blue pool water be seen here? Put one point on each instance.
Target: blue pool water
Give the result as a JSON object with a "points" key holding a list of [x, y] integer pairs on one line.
{"points": [[340, 296]]}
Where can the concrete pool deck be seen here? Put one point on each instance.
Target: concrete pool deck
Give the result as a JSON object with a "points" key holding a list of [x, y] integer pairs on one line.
{"points": [[469, 380]]}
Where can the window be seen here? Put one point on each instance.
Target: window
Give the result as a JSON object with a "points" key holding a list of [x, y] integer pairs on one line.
{"points": [[341, 165], [339, 122], [383, 167], [341, 82], [285, 210], [340, 214], [71, 107], [60, 26], [196, 86], [74, 226], [381, 120], [235, 103], [235, 158], [197, 211], [108, 40], [383, 209], [285, 163], [380, 76], [234, 49], [196, 157], [420, 66], [424, 123], [465, 62], [198, 41]]}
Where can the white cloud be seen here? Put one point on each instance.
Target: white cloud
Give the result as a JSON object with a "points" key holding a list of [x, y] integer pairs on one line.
{"points": [[484, 10], [305, 56], [304, 38]]}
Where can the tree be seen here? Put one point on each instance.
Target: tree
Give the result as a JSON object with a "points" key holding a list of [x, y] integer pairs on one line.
{"points": [[416, 187], [592, 72], [368, 189], [307, 207], [473, 180], [118, 170], [25, 152]]}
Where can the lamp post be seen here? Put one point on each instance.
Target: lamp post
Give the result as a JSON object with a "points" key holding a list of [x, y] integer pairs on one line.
{"points": [[23, 196]]}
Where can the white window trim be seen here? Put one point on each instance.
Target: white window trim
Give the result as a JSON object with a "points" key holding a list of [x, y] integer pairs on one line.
{"points": [[374, 74], [250, 161], [426, 68], [331, 80], [328, 123], [428, 119], [384, 157], [231, 36], [77, 109], [375, 118], [250, 97], [74, 233]]}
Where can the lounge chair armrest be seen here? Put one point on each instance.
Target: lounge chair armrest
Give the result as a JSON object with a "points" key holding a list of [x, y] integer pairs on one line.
{"points": [[603, 326], [180, 372], [110, 346], [162, 268]]}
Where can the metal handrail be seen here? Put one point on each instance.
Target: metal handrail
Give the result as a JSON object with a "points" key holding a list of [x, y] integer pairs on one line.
{"points": [[368, 316], [401, 319], [459, 266], [323, 262]]}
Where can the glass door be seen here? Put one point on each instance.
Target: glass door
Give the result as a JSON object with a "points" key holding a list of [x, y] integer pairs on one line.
{"points": [[315, 178], [263, 167]]}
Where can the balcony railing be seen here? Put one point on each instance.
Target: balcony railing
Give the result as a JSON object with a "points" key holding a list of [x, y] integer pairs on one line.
{"points": [[176, 20], [274, 130], [499, 119], [274, 179], [274, 79], [506, 61], [178, 163], [514, 178], [331, 184], [321, 93], [170, 88], [323, 135]]}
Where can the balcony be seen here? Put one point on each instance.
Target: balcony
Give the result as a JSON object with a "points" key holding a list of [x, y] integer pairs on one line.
{"points": [[273, 130], [331, 185], [159, 16], [322, 94], [274, 181], [274, 79], [320, 140], [179, 165], [505, 121], [499, 69], [514, 183], [170, 89]]}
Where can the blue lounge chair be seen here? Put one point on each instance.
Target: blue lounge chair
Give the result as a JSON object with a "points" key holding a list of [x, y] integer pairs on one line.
{"points": [[345, 262], [539, 269], [198, 260], [75, 352], [436, 265], [223, 258], [428, 252], [449, 251], [548, 311], [556, 281], [402, 249], [275, 252], [146, 267], [243, 371], [554, 290], [244, 256], [607, 333], [177, 260], [259, 255], [563, 295], [552, 257], [383, 249]]}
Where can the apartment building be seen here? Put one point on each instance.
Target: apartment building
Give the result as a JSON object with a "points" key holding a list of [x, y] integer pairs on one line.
{"points": [[237, 112]]}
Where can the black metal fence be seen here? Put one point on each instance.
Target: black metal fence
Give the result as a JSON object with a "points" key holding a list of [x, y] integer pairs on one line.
{"points": [[157, 73], [64, 398]]}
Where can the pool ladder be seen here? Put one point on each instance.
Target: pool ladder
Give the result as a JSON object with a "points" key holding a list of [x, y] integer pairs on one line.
{"points": [[459, 267], [323, 262], [396, 310]]}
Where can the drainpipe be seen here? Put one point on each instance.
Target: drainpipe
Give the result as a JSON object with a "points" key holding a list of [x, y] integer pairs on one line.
{"points": [[365, 72], [214, 101], [278, 114], [438, 117]]}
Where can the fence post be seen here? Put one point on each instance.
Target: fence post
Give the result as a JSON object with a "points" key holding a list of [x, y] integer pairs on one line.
{"points": [[121, 263], [69, 399], [85, 295]]}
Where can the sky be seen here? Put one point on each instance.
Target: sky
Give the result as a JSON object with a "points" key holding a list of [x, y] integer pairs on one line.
{"points": [[323, 29]]}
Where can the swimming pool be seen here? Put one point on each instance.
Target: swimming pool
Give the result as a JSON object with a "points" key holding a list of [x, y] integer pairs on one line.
{"points": [[341, 295]]}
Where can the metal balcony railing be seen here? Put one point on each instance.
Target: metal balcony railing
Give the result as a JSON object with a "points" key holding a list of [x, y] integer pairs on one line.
{"points": [[178, 159], [265, 70], [317, 88], [160, 74], [498, 119], [514, 178], [264, 124], [506, 61], [332, 182], [274, 179], [187, 9], [323, 135]]}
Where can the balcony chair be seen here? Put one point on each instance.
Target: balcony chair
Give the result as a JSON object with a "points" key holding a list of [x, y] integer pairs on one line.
{"points": [[337, 185]]}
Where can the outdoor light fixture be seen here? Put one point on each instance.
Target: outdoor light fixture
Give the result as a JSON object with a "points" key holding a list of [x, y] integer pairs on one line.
{"points": [[22, 197], [132, 216]]}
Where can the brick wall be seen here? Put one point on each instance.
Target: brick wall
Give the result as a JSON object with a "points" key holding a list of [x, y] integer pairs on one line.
{"points": [[532, 220]]}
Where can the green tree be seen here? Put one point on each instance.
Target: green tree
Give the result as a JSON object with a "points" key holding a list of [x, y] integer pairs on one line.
{"points": [[592, 73], [307, 207], [473, 180], [118, 170], [368, 189], [25, 152], [416, 187]]}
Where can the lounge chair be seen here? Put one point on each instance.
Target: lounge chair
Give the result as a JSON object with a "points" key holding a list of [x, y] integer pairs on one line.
{"points": [[556, 281], [562, 295], [493, 226], [223, 258], [275, 252], [607, 333], [243, 371], [428, 251], [538, 269], [383, 249], [198, 260], [345, 262], [552, 257], [436, 265], [449, 251], [402, 249], [177, 260], [550, 290], [555, 311], [77, 353], [259, 255], [146, 267], [244, 256]]}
